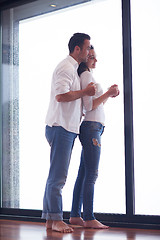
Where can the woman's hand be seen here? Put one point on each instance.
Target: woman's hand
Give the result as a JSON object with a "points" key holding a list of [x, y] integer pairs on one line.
{"points": [[113, 91]]}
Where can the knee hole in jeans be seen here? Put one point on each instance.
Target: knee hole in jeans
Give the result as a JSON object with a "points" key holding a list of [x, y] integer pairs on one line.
{"points": [[95, 142]]}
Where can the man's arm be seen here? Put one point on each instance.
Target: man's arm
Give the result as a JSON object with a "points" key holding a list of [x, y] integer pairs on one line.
{"points": [[74, 95]]}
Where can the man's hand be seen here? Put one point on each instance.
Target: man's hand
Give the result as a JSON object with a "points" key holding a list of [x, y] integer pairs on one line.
{"points": [[90, 90]]}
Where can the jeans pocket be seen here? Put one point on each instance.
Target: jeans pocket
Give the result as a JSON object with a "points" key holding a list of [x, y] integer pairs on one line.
{"points": [[96, 126]]}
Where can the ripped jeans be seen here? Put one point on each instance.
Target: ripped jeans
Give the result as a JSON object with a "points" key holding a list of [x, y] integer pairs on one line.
{"points": [[90, 137]]}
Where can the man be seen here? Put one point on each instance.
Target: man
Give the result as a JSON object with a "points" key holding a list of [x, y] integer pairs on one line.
{"points": [[63, 119]]}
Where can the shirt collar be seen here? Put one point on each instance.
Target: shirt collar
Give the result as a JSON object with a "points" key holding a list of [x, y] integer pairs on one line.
{"points": [[73, 61]]}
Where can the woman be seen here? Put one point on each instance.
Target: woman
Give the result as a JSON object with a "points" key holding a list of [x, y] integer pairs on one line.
{"points": [[91, 130]]}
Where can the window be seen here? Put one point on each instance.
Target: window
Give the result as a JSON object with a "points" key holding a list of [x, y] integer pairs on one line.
{"points": [[146, 84], [35, 47]]}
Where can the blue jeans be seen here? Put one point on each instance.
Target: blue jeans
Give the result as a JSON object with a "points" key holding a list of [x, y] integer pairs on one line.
{"points": [[61, 142], [90, 137]]}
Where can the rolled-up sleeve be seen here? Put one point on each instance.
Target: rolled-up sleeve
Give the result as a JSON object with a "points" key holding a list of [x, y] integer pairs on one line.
{"points": [[64, 80], [86, 78]]}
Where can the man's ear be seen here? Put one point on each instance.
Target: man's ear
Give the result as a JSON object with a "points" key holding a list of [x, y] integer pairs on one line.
{"points": [[77, 48]]}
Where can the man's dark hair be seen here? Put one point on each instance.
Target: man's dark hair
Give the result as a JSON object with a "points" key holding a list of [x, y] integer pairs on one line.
{"points": [[77, 40]]}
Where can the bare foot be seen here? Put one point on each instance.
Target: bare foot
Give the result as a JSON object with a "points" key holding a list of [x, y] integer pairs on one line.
{"points": [[49, 224], [94, 224], [61, 226], [76, 221]]}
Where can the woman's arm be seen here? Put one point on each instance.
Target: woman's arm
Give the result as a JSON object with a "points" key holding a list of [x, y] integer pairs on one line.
{"points": [[112, 92], [86, 78]]}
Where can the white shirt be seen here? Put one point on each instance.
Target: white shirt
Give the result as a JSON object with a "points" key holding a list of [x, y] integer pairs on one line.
{"points": [[96, 114], [65, 114]]}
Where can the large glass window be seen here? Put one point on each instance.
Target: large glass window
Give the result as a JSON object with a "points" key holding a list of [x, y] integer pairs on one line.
{"points": [[38, 44], [146, 84]]}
